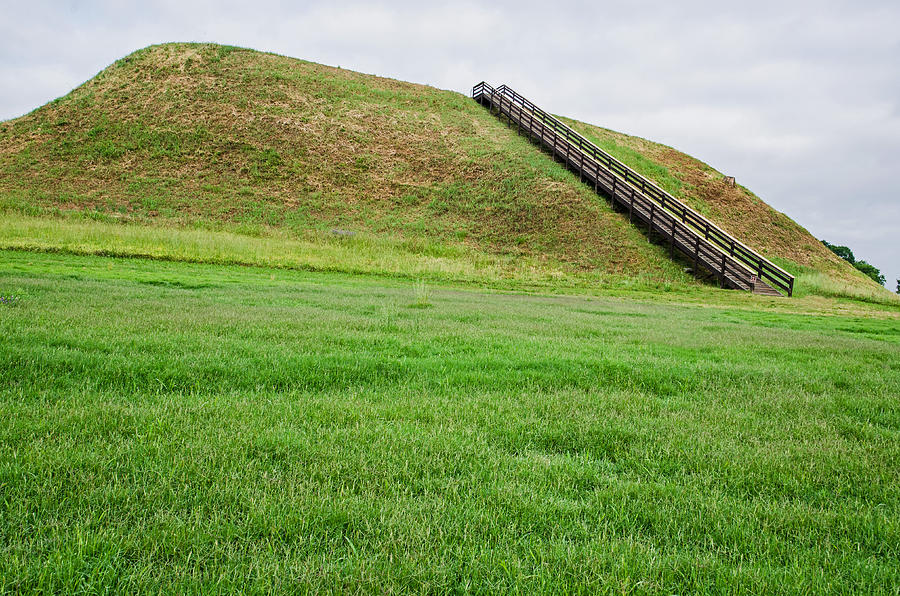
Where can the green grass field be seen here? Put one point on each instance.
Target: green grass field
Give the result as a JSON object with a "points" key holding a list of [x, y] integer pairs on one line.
{"points": [[185, 427]]}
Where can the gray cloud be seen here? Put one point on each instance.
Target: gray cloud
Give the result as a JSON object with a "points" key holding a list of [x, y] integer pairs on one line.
{"points": [[800, 100]]}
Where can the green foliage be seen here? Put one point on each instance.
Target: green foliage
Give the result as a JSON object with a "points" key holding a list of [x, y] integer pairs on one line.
{"points": [[841, 251], [181, 428], [869, 270]]}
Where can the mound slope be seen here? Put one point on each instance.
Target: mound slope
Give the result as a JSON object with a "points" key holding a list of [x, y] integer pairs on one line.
{"points": [[734, 208]]}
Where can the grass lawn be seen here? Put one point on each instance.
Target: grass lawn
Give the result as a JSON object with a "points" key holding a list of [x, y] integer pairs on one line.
{"points": [[185, 427]]}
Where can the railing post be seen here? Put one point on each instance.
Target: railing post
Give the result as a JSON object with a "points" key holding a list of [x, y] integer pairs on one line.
{"points": [[722, 271], [672, 239], [696, 251]]}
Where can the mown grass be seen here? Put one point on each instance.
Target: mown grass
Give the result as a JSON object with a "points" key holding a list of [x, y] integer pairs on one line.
{"points": [[186, 428], [315, 250], [414, 258]]}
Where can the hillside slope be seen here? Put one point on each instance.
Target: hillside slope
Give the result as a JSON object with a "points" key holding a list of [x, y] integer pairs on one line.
{"points": [[216, 137], [734, 208]]}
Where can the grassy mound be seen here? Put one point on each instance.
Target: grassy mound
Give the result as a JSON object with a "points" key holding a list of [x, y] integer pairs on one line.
{"points": [[231, 140], [220, 137]]}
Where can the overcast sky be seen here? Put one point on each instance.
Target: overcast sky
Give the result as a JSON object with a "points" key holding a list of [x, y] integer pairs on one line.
{"points": [[799, 100]]}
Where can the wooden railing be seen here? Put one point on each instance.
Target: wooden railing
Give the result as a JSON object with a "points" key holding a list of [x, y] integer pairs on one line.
{"points": [[693, 234]]}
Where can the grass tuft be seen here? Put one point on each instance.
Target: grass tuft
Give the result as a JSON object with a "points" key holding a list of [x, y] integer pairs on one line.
{"points": [[422, 295]]}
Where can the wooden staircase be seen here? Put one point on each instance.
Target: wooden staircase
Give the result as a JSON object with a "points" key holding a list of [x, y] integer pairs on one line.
{"points": [[711, 250]]}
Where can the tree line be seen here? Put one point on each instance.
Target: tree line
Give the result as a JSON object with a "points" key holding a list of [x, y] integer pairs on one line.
{"points": [[845, 253]]}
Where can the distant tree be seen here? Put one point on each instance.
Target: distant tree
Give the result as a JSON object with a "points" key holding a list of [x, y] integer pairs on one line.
{"points": [[845, 253], [870, 270], [842, 251], [898, 286]]}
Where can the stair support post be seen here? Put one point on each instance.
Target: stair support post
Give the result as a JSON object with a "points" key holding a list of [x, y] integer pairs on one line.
{"points": [[672, 239], [696, 251], [722, 271]]}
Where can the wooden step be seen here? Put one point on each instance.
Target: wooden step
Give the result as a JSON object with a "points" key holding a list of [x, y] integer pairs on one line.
{"points": [[764, 289]]}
